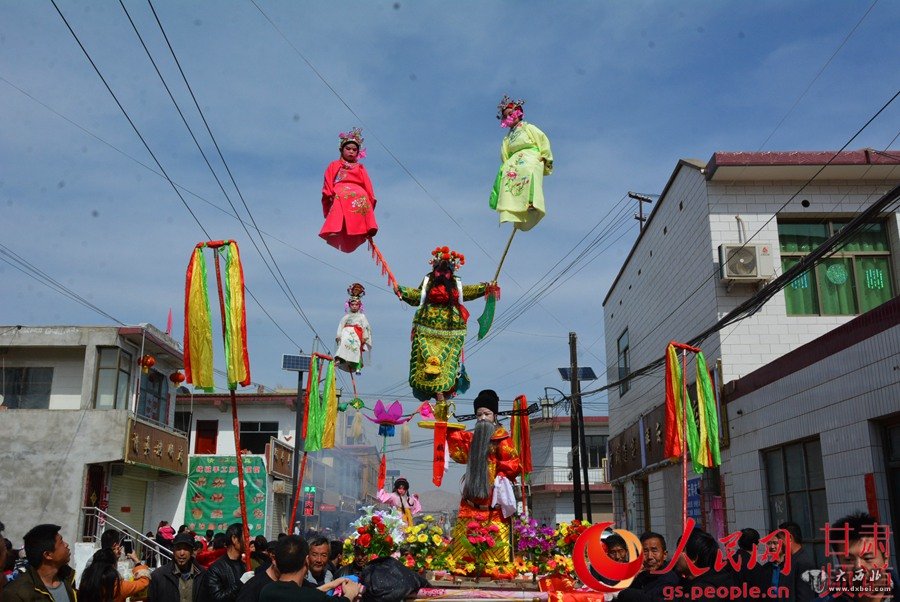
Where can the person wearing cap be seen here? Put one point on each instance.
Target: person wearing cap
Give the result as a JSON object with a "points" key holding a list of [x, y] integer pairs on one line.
{"points": [[399, 498], [488, 453], [348, 200], [180, 579]]}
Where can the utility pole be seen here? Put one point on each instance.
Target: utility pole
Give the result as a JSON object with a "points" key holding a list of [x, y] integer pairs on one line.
{"points": [[573, 425], [585, 459], [641, 199]]}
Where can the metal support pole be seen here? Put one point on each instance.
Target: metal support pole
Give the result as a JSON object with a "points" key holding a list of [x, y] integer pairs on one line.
{"points": [[585, 459], [298, 441], [573, 424]]}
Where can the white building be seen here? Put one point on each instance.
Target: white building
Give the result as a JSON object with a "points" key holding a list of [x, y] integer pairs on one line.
{"points": [[83, 424], [344, 477], [551, 482], [671, 287], [816, 433]]}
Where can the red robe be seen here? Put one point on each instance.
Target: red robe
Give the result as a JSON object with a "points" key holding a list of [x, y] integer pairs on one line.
{"points": [[502, 459], [348, 203]]}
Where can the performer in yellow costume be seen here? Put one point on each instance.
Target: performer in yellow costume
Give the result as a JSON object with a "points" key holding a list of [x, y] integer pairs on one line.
{"points": [[518, 194]]}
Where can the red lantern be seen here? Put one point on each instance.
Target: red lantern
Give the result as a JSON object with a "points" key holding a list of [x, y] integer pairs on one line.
{"points": [[146, 362], [177, 378]]}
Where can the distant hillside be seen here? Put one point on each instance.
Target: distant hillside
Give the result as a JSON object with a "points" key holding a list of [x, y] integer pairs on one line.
{"points": [[435, 501]]}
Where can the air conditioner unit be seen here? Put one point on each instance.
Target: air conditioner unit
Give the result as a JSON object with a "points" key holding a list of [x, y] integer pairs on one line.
{"points": [[745, 263]]}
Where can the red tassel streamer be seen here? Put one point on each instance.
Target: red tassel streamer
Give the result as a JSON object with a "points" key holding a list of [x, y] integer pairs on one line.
{"points": [[382, 471], [380, 262], [437, 462]]}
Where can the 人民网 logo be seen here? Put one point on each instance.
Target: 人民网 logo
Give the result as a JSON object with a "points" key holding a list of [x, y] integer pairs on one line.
{"points": [[591, 560]]}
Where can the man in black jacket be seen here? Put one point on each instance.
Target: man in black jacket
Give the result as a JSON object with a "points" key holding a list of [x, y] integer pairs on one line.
{"points": [[179, 579], [700, 550], [802, 566], [647, 585], [223, 579]]}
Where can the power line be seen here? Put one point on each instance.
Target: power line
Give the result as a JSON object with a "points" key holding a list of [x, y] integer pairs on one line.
{"points": [[29, 269], [184, 188], [146, 146], [390, 153], [754, 303], [32, 271], [291, 298], [513, 312], [818, 74], [289, 292]]}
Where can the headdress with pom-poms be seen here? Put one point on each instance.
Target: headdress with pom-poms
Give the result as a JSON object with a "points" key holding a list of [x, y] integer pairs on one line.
{"points": [[508, 103], [354, 135], [445, 254], [355, 292]]}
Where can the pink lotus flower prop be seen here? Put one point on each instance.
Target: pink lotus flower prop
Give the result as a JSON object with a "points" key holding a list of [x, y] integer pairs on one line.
{"points": [[388, 418]]}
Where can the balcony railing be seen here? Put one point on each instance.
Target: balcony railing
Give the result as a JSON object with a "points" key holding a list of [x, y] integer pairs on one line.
{"points": [[564, 476], [95, 521]]}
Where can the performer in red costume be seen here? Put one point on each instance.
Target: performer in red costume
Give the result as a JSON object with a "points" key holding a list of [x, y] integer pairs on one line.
{"points": [[488, 453], [348, 200]]}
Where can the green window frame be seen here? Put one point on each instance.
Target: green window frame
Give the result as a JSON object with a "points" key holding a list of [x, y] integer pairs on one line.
{"points": [[854, 280]]}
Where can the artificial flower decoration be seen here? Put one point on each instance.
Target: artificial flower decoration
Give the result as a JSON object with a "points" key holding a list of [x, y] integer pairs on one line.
{"points": [[388, 418], [426, 411]]}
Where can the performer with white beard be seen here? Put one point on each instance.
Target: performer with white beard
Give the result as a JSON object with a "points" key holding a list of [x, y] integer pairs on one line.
{"points": [[488, 453]]}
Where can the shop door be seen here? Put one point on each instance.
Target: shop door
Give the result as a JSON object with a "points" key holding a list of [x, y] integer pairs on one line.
{"points": [[94, 497], [127, 497]]}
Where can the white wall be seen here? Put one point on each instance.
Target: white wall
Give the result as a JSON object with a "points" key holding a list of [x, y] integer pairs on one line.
{"points": [[246, 413], [165, 501], [687, 255], [771, 333], [652, 285], [43, 464], [68, 370], [834, 399]]}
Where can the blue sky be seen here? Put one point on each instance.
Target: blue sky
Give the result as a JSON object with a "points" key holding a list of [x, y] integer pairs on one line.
{"points": [[623, 90]]}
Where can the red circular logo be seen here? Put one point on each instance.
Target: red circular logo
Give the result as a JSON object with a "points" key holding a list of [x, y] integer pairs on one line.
{"points": [[590, 553]]}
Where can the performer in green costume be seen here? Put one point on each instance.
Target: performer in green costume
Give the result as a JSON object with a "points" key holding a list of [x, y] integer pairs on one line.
{"points": [[439, 327]]}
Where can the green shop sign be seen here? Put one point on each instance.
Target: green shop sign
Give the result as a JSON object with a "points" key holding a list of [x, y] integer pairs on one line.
{"points": [[212, 498]]}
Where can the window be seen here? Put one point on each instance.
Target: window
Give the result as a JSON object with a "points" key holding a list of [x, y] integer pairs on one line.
{"points": [[26, 388], [624, 354], [207, 437], [796, 491], [153, 402], [113, 378], [255, 435], [852, 281], [596, 450], [183, 422]]}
